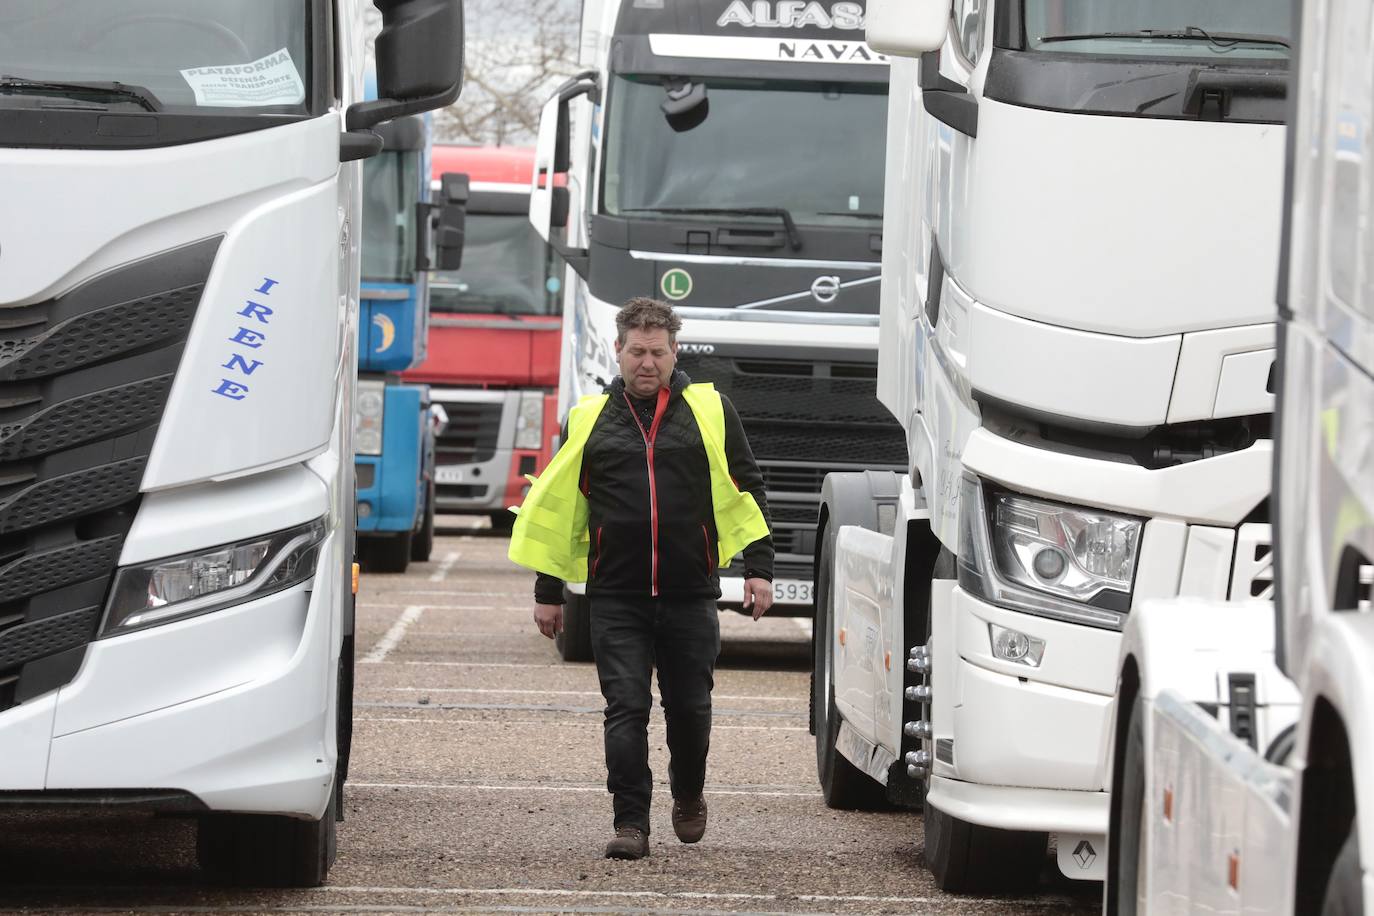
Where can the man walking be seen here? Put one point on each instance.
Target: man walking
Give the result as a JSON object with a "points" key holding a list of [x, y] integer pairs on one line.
{"points": [[653, 489]]}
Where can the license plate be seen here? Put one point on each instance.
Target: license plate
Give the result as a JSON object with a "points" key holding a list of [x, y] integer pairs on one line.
{"points": [[791, 591], [448, 475]]}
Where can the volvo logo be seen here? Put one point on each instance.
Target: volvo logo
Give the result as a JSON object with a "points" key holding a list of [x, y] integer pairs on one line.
{"points": [[703, 349], [825, 289]]}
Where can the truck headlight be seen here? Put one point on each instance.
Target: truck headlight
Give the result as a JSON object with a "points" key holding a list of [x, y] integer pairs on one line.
{"points": [[529, 424], [367, 418], [197, 583], [1068, 562]]}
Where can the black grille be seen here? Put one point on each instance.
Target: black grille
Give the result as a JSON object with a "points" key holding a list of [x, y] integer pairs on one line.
{"points": [[461, 491], [471, 433], [84, 379], [804, 419]]}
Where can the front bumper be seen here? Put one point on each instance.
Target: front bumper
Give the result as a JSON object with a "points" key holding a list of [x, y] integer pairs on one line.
{"points": [[1001, 724], [235, 708]]}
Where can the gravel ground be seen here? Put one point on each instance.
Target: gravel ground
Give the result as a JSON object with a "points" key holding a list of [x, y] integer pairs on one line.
{"points": [[477, 785]]}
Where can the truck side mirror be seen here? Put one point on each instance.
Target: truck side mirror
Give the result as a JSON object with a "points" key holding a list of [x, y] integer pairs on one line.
{"points": [[558, 212], [419, 60], [907, 28], [453, 209]]}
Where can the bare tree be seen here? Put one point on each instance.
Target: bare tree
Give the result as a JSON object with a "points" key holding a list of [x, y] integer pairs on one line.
{"points": [[516, 52]]}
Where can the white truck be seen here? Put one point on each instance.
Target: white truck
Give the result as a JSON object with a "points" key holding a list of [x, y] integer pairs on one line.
{"points": [[1244, 742], [179, 285], [1076, 332], [727, 157]]}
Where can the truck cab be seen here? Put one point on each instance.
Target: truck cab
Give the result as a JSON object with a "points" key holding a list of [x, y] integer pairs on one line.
{"points": [[495, 330], [727, 158], [1243, 748], [179, 275], [1077, 336], [405, 237]]}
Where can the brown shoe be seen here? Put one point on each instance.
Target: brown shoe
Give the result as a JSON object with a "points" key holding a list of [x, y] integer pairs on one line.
{"points": [[629, 843], [689, 818]]}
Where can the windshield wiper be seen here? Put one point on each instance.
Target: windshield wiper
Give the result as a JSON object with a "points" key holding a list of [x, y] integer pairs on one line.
{"points": [[857, 214], [789, 225], [1192, 32], [97, 91]]}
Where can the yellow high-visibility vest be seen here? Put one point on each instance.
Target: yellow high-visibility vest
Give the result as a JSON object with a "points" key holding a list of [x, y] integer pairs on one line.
{"points": [[551, 534]]}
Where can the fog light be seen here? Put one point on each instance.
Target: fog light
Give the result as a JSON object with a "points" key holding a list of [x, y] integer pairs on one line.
{"points": [[1016, 647], [1049, 564]]}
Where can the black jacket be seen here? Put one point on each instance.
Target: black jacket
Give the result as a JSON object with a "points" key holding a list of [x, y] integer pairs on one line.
{"points": [[652, 526]]}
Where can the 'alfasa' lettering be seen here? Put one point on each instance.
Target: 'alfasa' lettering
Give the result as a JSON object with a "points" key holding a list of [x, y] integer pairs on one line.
{"points": [[239, 365]]}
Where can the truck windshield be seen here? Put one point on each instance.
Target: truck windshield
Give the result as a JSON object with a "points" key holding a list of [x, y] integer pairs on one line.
{"points": [[814, 150], [506, 270], [391, 188], [1239, 29], [230, 57]]}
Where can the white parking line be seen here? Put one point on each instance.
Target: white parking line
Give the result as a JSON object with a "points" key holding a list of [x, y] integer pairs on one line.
{"points": [[393, 635], [663, 895], [444, 566], [450, 594], [559, 693], [450, 787], [489, 664], [506, 723]]}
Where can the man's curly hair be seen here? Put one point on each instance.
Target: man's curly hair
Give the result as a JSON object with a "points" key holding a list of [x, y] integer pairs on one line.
{"points": [[644, 314]]}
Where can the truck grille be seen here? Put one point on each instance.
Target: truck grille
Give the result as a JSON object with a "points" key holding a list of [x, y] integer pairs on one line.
{"points": [[804, 419], [820, 412], [471, 434], [84, 379]]}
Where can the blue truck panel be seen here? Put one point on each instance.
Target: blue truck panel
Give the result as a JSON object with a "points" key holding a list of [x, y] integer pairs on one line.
{"points": [[396, 496], [387, 326]]}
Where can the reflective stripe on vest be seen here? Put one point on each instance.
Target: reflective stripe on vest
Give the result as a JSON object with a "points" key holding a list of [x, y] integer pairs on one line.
{"points": [[551, 534]]}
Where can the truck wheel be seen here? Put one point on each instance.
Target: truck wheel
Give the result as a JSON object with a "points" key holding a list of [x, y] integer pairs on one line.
{"points": [[574, 644], [967, 858], [268, 850], [1344, 896], [843, 785], [387, 554], [1125, 864], [422, 544]]}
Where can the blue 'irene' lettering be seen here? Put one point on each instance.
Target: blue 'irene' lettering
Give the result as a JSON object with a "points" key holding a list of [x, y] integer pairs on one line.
{"points": [[247, 337], [256, 310], [238, 362], [235, 391]]}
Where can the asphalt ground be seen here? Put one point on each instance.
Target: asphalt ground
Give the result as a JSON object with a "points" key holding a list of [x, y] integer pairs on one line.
{"points": [[477, 786]]}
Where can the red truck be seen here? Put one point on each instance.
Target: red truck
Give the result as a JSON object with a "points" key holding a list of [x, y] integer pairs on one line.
{"points": [[495, 333]]}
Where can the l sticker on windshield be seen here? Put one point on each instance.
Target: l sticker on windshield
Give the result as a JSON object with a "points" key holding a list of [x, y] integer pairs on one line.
{"points": [[270, 80]]}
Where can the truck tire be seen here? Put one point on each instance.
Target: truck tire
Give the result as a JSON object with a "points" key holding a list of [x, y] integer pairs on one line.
{"points": [[387, 554], [574, 644], [502, 521], [268, 850], [1344, 895], [422, 544], [843, 785], [1124, 865], [967, 858]]}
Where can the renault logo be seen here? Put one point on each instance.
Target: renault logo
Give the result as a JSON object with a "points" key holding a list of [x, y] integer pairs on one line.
{"points": [[825, 289]]}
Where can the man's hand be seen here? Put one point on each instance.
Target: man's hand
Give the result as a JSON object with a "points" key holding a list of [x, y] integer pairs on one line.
{"points": [[758, 596], [549, 619]]}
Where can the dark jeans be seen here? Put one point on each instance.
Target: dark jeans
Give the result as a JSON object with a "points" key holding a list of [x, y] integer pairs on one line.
{"points": [[630, 636]]}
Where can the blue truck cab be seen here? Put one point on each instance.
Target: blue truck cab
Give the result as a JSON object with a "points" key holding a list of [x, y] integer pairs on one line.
{"points": [[404, 237]]}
